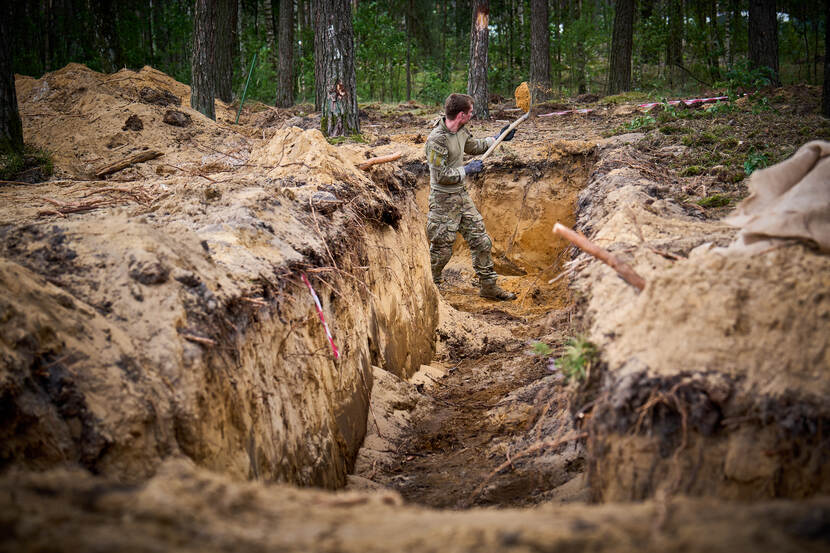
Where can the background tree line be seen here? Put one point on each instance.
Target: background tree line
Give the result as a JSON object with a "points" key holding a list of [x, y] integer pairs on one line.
{"points": [[424, 49]]}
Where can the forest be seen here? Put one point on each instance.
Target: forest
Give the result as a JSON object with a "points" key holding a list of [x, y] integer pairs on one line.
{"points": [[418, 49]]}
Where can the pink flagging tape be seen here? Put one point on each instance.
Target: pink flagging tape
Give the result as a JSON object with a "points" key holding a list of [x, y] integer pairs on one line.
{"points": [[320, 313], [551, 114], [689, 102]]}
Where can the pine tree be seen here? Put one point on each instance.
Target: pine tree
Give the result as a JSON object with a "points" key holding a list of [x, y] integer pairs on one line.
{"points": [[11, 129], [334, 73], [285, 83], [539, 50], [477, 76], [619, 77], [763, 36], [203, 60]]}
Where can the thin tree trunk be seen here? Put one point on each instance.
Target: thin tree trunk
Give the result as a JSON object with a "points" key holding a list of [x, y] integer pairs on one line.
{"points": [[539, 50], [334, 72], [763, 37], [271, 33], [285, 84], [409, 9], [619, 78], [734, 16], [226, 48], [825, 97], [107, 40], [477, 75], [11, 129], [674, 53], [203, 61]]}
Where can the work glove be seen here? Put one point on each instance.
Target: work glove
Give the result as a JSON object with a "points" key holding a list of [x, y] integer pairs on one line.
{"points": [[474, 167], [509, 135]]}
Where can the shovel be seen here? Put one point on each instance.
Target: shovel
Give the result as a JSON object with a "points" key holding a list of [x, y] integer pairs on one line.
{"points": [[522, 95]]}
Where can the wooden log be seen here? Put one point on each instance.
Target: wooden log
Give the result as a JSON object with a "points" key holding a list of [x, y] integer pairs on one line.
{"points": [[380, 159], [124, 163], [623, 269]]}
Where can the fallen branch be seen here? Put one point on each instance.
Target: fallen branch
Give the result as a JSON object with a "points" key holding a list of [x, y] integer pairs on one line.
{"points": [[532, 449], [198, 339], [623, 269], [377, 160], [124, 163], [16, 182]]}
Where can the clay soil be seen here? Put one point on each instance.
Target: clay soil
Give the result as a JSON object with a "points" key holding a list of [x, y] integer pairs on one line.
{"points": [[166, 383]]}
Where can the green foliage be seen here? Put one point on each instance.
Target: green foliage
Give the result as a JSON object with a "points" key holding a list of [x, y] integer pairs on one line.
{"points": [[435, 88], [14, 164], [576, 362], [743, 78], [720, 108], [715, 200], [755, 160], [640, 123], [542, 349]]}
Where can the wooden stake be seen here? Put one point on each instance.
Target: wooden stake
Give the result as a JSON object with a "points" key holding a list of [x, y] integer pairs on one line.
{"points": [[502, 135], [381, 159], [124, 163], [623, 269]]}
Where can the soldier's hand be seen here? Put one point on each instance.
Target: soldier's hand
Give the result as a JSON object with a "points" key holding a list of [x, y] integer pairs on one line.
{"points": [[474, 167], [509, 135]]}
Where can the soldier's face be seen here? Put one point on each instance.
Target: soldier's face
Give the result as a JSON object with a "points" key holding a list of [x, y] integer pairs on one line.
{"points": [[466, 115]]}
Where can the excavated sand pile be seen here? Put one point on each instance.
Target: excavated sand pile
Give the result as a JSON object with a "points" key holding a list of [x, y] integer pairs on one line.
{"points": [[175, 321], [717, 374]]}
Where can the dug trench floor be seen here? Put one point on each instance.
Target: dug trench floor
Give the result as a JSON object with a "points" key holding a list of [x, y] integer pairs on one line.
{"points": [[441, 442]]}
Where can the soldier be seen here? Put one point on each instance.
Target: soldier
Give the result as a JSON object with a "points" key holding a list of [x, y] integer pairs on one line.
{"points": [[451, 209]]}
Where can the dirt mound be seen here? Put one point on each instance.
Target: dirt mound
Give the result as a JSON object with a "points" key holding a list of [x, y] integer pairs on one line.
{"points": [[720, 360], [81, 116]]}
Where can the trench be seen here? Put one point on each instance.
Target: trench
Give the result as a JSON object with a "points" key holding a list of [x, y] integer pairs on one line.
{"points": [[485, 394]]}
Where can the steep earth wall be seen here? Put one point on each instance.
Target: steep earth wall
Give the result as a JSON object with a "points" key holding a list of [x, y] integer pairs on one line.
{"points": [[182, 326], [716, 376]]}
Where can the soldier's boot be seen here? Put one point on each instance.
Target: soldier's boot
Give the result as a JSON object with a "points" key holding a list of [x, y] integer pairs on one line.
{"points": [[492, 291]]}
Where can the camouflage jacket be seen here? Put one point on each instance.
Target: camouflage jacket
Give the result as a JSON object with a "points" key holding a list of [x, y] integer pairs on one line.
{"points": [[445, 156]]}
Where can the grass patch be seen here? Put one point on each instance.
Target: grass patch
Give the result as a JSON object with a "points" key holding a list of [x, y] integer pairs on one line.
{"points": [[692, 171], [33, 165], [715, 200]]}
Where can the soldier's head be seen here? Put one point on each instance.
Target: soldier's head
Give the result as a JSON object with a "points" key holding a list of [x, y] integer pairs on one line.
{"points": [[458, 110], [456, 103]]}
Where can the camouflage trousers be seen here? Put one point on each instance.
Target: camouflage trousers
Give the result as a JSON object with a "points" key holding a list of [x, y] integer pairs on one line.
{"points": [[450, 213]]}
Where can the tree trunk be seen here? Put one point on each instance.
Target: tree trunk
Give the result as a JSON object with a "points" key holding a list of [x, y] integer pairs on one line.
{"points": [[409, 9], [825, 97], [334, 72], [619, 78], [763, 37], [226, 48], [579, 50], [734, 17], [539, 50], [203, 60], [106, 36], [271, 33], [674, 50], [477, 76], [285, 84], [11, 129]]}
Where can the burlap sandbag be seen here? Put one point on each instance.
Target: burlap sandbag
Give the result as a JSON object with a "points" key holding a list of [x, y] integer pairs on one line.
{"points": [[790, 200]]}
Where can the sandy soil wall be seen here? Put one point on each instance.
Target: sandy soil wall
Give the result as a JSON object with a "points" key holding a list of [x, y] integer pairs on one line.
{"points": [[715, 377], [130, 337]]}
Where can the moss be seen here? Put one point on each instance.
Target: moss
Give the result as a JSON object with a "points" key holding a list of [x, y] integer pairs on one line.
{"points": [[715, 200], [692, 171], [673, 129]]}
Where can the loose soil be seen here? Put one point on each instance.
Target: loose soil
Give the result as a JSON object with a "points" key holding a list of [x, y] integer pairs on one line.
{"points": [[166, 382]]}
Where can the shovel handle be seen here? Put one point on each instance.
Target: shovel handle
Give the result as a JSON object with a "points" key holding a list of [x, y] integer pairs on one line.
{"points": [[502, 135]]}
